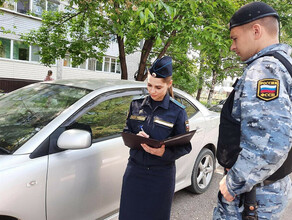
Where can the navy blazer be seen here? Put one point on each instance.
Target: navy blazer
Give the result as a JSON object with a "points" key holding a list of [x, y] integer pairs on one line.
{"points": [[167, 119]]}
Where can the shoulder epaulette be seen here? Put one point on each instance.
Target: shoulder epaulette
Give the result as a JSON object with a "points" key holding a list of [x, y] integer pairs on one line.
{"points": [[177, 103]]}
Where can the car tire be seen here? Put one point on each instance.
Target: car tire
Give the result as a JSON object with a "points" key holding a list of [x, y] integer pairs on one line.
{"points": [[203, 172]]}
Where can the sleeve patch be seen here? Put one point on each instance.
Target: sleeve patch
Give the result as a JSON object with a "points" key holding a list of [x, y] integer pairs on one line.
{"points": [[268, 89]]}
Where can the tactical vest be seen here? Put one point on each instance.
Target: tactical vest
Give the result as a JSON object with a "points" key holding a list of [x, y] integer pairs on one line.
{"points": [[228, 146]]}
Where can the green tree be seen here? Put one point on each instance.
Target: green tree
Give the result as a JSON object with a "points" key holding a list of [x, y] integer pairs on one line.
{"points": [[212, 41], [72, 32], [216, 59], [172, 28], [84, 32]]}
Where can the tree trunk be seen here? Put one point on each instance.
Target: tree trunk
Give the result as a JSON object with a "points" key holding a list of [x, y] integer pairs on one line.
{"points": [[201, 81], [122, 56], [199, 94], [148, 44], [211, 93], [168, 43]]}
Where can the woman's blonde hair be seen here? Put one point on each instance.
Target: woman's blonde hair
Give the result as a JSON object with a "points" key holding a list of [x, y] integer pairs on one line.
{"points": [[167, 80]]}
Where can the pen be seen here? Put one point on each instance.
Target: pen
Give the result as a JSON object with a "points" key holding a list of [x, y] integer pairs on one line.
{"points": [[141, 127]]}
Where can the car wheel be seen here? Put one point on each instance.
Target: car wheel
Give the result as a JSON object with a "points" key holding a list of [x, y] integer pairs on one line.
{"points": [[203, 171]]}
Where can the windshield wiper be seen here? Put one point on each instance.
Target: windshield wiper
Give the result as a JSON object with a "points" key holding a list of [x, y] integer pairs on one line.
{"points": [[4, 150]]}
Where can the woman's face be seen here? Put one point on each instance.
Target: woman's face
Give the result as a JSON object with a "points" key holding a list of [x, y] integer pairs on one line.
{"points": [[157, 88]]}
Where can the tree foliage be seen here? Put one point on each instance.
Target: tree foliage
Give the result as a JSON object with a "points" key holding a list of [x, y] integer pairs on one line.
{"points": [[174, 28]]}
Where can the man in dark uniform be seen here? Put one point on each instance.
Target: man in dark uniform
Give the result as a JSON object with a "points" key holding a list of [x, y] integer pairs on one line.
{"points": [[256, 121], [149, 179]]}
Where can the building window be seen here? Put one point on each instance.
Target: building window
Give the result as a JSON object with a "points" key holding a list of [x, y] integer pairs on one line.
{"points": [[91, 64], [9, 4], [98, 65], [23, 6], [52, 5], [113, 65], [107, 64], [5, 48], [35, 53], [20, 51], [38, 6], [118, 70], [67, 60], [83, 65]]}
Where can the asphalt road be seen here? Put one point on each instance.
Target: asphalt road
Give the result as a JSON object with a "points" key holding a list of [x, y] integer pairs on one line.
{"points": [[188, 206]]}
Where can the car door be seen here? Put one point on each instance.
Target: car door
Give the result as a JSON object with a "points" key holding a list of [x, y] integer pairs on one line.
{"points": [[185, 164], [86, 184]]}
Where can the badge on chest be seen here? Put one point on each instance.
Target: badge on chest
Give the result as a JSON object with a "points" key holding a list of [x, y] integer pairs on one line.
{"points": [[163, 122], [138, 117]]}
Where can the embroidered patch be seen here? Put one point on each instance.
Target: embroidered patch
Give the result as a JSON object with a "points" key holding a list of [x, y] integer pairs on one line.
{"points": [[137, 117], [268, 89]]}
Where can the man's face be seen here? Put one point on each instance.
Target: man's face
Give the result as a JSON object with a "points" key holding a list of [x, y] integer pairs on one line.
{"points": [[243, 43]]}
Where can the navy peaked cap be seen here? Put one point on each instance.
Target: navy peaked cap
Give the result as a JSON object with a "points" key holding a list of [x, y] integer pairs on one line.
{"points": [[161, 68], [251, 12]]}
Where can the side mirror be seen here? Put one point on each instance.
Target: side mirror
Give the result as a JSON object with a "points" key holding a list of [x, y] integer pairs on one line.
{"points": [[74, 139]]}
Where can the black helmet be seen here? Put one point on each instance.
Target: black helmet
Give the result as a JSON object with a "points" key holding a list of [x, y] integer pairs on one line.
{"points": [[251, 12]]}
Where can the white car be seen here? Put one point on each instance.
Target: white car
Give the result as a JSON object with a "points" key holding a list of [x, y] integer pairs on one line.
{"points": [[52, 168]]}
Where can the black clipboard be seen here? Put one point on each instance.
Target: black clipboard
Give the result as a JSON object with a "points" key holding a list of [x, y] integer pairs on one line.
{"points": [[134, 141]]}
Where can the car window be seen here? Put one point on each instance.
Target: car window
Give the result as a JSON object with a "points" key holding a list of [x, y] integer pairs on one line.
{"points": [[190, 109], [26, 111], [108, 118]]}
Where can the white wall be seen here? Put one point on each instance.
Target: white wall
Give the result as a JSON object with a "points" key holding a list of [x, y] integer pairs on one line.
{"points": [[133, 61], [10, 68], [23, 23], [27, 70]]}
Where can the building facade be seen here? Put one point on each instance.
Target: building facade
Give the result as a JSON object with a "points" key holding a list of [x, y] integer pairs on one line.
{"points": [[20, 62]]}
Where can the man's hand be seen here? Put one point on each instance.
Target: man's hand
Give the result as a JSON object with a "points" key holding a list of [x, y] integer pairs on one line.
{"points": [[224, 191]]}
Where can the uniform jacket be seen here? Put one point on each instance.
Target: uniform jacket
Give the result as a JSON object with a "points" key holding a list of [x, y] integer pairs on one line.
{"points": [[166, 120], [266, 125]]}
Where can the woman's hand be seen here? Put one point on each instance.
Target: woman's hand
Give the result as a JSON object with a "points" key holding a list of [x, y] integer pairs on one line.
{"points": [[155, 151], [143, 134]]}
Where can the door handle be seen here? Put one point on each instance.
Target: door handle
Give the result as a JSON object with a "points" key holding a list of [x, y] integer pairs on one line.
{"points": [[31, 183]]}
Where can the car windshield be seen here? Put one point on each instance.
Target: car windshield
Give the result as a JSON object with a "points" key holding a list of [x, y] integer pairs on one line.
{"points": [[26, 111]]}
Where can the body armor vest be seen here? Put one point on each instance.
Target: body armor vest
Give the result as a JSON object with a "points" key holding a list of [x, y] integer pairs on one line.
{"points": [[228, 146]]}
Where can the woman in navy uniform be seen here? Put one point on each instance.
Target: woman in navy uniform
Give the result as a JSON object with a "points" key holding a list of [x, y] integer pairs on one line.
{"points": [[149, 179]]}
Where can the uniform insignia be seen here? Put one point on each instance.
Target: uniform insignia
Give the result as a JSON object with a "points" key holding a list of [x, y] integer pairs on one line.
{"points": [[177, 103], [154, 74], [141, 111], [137, 117], [268, 89], [165, 123], [187, 125]]}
